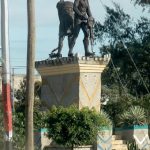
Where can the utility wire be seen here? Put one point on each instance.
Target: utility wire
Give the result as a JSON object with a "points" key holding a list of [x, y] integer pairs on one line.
{"points": [[136, 67], [130, 56], [123, 86]]}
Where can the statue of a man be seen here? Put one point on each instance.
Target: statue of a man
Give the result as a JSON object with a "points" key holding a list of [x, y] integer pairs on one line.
{"points": [[66, 17], [82, 15]]}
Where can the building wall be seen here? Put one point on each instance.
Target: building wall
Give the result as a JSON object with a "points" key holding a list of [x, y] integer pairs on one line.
{"points": [[17, 79]]}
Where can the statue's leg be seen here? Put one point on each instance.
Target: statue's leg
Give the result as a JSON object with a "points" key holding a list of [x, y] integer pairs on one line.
{"points": [[72, 39], [70, 36], [86, 39], [60, 45]]}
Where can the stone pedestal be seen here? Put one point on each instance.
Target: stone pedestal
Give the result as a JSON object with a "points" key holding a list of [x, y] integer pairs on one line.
{"points": [[67, 81]]}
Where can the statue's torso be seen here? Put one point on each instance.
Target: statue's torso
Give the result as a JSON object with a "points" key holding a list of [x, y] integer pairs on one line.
{"points": [[83, 5]]}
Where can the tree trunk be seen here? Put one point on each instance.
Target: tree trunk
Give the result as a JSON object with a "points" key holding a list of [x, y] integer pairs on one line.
{"points": [[30, 75], [72, 147]]}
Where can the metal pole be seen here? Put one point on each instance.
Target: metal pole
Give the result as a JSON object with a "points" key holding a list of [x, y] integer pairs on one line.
{"points": [[6, 97]]}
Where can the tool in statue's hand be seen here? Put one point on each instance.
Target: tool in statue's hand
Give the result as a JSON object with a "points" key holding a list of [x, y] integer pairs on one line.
{"points": [[91, 23]]}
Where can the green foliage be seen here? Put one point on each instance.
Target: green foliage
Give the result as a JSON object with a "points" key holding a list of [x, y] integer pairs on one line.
{"points": [[37, 89], [132, 145], [73, 127], [19, 130], [117, 102], [135, 115], [122, 34], [19, 123], [19, 118], [141, 2], [117, 25], [19, 115], [40, 118], [106, 119], [145, 103], [20, 94]]}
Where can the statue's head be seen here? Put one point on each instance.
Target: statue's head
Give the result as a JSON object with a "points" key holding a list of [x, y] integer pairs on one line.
{"points": [[61, 0]]}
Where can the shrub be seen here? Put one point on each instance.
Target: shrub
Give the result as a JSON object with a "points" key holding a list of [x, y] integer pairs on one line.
{"points": [[19, 131], [135, 115], [106, 119], [132, 145], [72, 127], [19, 122]]}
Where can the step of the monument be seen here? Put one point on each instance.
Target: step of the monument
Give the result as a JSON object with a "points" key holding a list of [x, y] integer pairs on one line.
{"points": [[119, 147], [116, 137], [118, 142]]}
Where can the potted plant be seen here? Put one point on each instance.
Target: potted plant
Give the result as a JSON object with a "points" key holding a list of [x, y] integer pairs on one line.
{"points": [[133, 126]]}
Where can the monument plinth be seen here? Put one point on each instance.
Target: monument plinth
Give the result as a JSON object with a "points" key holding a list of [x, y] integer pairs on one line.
{"points": [[67, 81]]}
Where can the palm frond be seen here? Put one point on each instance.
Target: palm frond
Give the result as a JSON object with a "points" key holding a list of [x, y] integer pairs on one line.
{"points": [[134, 116]]}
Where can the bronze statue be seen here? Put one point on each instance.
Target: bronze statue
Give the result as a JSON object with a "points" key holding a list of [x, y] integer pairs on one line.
{"points": [[74, 17], [66, 17], [82, 20]]}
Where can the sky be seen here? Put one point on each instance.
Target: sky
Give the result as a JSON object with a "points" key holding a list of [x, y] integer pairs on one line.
{"points": [[47, 28]]}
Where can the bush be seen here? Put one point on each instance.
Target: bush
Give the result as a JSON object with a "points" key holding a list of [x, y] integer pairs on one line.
{"points": [[106, 119], [135, 115], [132, 145], [117, 102], [19, 130], [72, 127], [19, 122]]}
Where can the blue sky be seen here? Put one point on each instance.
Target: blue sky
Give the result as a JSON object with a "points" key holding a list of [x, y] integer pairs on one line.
{"points": [[47, 28]]}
